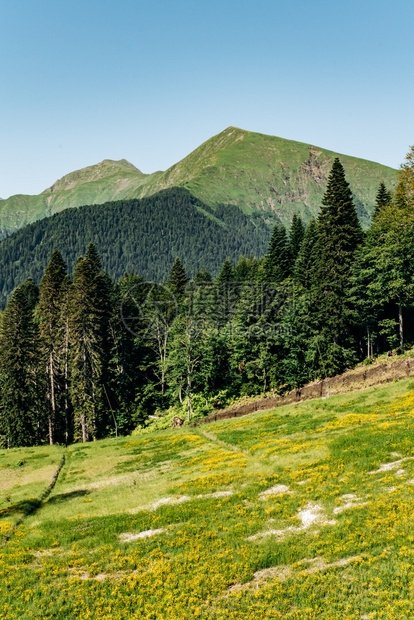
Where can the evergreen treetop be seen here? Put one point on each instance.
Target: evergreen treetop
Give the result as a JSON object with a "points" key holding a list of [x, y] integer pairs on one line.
{"points": [[177, 278], [202, 276], [338, 225], [93, 258], [383, 198], [226, 272], [296, 235], [278, 260]]}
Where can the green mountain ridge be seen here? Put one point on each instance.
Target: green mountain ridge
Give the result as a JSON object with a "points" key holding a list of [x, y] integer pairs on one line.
{"points": [[105, 169], [261, 174]]}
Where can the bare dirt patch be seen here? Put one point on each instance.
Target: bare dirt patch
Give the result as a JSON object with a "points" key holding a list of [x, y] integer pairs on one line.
{"points": [[129, 537], [284, 572], [390, 466], [279, 489], [313, 514], [180, 500], [350, 501]]}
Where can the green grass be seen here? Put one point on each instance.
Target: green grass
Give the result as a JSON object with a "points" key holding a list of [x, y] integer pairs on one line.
{"points": [[25, 473], [223, 549]]}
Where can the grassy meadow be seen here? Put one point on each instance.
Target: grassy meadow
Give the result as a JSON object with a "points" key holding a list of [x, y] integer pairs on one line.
{"points": [[302, 512]]}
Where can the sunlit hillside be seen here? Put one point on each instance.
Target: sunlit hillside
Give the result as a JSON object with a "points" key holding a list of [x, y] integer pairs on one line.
{"points": [[301, 512], [266, 176]]}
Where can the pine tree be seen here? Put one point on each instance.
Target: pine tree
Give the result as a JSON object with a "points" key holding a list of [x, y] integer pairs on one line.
{"points": [[49, 313], [93, 258], [246, 269], [88, 324], [296, 235], [21, 421], [339, 235], [226, 272], [185, 357], [278, 261], [383, 198], [304, 267], [65, 309], [202, 276], [177, 278]]}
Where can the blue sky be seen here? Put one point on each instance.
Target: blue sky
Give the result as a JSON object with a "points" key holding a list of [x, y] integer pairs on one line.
{"points": [[150, 81]]}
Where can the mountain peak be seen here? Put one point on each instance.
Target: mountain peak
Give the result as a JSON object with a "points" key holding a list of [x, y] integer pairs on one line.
{"points": [[96, 172]]}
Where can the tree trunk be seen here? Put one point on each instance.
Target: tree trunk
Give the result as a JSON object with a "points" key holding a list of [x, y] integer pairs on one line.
{"points": [[190, 408], [83, 425], [66, 384], [52, 416], [400, 323], [369, 343], [83, 414]]}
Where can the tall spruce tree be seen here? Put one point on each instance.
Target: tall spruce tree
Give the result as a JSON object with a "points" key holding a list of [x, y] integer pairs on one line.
{"points": [[177, 278], [21, 420], [383, 198], [339, 235], [296, 235], [278, 260], [65, 316], [304, 268], [88, 324], [49, 314], [226, 273]]}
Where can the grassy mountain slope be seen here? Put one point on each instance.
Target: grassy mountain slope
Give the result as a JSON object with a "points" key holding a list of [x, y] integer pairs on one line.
{"points": [[143, 236], [270, 175], [260, 174], [302, 512], [103, 182]]}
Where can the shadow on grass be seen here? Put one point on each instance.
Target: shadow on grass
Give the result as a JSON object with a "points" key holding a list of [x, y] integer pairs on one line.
{"points": [[64, 497], [25, 508]]}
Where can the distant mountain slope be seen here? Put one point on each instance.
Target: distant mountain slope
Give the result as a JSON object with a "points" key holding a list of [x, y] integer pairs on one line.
{"points": [[257, 173], [143, 236], [109, 180], [270, 175]]}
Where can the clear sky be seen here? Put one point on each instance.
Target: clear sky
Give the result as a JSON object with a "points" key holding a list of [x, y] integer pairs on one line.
{"points": [[149, 81]]}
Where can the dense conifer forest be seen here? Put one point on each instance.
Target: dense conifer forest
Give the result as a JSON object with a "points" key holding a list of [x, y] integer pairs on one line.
{"points": [[143, 236], [94, 354]]}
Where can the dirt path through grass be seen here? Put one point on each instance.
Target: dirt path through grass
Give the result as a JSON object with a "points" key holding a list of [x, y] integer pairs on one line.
{"points": [[213, 438]]}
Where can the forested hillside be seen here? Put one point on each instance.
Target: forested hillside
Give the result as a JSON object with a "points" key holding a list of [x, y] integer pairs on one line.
{"points": [[89, 356], [143, 236]]}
